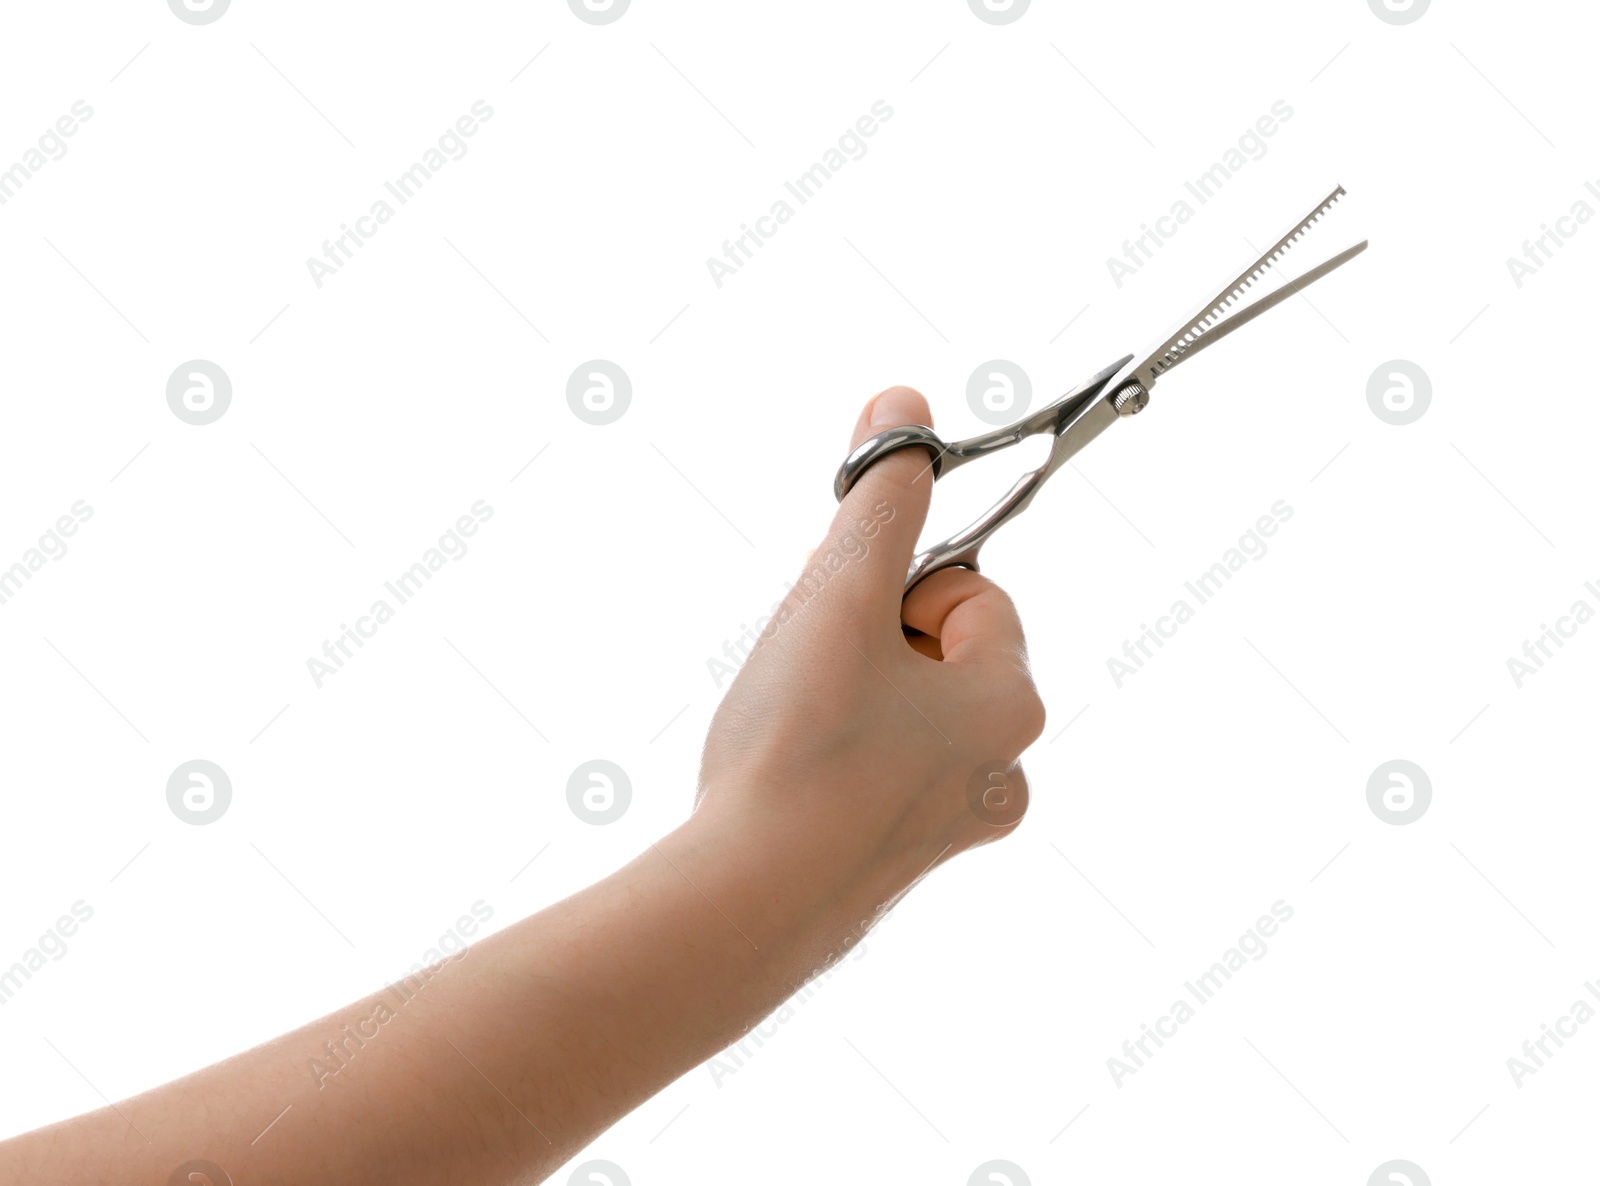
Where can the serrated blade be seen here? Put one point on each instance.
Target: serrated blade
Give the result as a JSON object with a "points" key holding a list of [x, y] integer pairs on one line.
{"points": [[1212, 321], [1218, 332]]}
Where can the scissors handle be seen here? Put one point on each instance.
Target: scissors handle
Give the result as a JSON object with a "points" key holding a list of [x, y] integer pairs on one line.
{"points": [[1074, 419]]}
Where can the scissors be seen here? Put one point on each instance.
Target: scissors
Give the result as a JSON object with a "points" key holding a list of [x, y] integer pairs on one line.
{"points": [[1084, 412]]}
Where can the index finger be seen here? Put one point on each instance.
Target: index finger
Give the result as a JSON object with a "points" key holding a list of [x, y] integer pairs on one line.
{"points": [[972, 617]]}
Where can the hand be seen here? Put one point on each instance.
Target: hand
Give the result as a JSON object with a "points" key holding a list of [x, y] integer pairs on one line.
{"points": [[842, 765], [867, 740]]}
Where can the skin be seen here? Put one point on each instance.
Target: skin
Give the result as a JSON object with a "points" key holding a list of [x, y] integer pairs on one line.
{"points": [[838, 771]]}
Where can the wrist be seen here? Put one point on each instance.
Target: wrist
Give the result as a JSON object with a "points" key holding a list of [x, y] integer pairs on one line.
{"points": [[802, 896]]}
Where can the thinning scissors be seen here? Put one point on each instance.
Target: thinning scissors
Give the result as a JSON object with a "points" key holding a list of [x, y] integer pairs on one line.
{"points": [[1085, 412]]}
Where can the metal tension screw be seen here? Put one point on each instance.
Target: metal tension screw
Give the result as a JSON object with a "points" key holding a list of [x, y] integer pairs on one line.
{"points": [[1130, 400]]}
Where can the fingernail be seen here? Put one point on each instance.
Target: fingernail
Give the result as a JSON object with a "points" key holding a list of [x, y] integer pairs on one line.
{"points": [[893, 408]]}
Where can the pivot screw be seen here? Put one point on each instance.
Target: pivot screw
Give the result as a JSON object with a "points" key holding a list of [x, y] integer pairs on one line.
{"points": [[1130, 400]]}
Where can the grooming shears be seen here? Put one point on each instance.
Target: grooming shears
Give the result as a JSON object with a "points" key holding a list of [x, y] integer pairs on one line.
{"points": [[1085, 412]]}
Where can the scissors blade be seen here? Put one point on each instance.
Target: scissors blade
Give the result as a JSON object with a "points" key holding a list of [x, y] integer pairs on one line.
{"points": [[1208, 322], [1249, 314]]}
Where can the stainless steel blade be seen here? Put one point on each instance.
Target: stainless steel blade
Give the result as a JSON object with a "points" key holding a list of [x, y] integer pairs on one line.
{"points": [[1250, 313], [1208, 319]]}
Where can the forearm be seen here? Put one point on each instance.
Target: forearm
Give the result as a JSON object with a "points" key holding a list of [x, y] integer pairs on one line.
{"points": [[499, 1065], [839, 769]]}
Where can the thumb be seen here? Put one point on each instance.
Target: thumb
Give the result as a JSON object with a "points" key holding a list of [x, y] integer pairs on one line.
{"points": [[879, 521]]}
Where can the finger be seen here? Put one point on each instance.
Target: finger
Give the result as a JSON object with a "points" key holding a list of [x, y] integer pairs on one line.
{"points": [[970, 615], [878, 522], [1000, 802], [924, 644]]}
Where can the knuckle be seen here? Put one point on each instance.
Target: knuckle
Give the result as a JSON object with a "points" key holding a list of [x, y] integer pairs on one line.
{"points": [[904, 470], [1022, 714], [997, 800], [1031, 714]]}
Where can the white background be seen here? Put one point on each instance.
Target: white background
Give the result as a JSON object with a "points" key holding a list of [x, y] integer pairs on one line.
{"points": [[1168, 814]]}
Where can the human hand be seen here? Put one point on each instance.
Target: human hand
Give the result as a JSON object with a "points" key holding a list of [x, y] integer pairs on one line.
{"points": [[867, 739], [849, 757]]}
